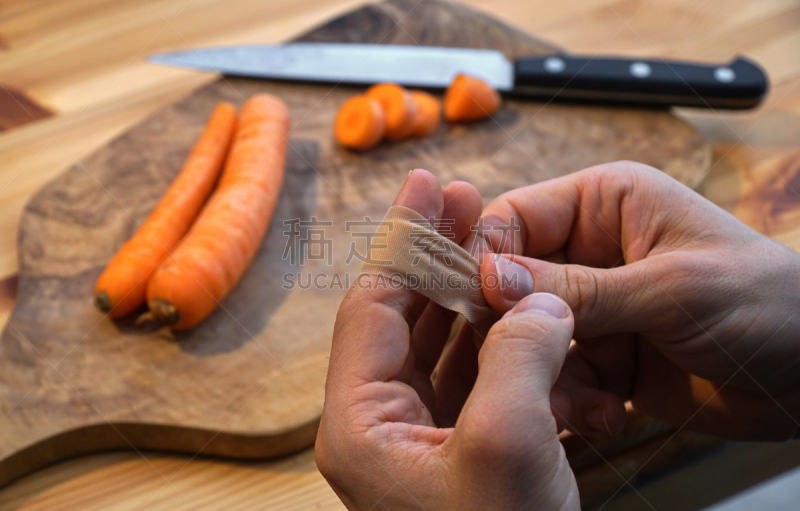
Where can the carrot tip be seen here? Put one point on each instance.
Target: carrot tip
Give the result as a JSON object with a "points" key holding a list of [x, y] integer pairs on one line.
{"points": [[102, 302], [162, 312]]}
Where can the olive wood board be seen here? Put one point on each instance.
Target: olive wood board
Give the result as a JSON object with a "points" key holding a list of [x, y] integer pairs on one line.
{"points": [[248, 382]]}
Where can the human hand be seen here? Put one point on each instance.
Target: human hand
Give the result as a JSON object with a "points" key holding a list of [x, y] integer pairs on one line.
{"points": [[381, 444], [678, 306]]}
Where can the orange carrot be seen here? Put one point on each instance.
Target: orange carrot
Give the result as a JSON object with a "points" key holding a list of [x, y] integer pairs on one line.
{"points": [[360, 123], [122, 286], [428, 113], [398, 106], [469, 99], [210, 260]]}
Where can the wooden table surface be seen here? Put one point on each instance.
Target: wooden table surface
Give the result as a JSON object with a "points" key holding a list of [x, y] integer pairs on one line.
{"points": [[79, 68]]}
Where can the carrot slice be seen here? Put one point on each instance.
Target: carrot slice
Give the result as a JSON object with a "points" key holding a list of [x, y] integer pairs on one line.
{"points": [[360, 123], [210, 260], [398, 106], [122, 286], [428, 113], [469, 99]]}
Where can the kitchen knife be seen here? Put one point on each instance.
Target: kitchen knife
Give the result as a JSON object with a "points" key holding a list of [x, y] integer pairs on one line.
{"points": [[738, 84]]}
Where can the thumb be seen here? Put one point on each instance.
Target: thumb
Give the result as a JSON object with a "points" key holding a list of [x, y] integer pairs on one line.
{"points": [[507, 424], [602, 300], [525, 350]]}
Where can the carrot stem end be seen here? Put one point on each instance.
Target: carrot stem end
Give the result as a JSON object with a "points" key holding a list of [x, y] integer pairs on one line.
{"points": [[163, 312]]}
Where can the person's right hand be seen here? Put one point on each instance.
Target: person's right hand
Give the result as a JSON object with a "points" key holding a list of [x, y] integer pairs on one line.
{"points": [[678, 306]]}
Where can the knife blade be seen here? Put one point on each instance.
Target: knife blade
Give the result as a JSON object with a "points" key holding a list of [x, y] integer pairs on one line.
{"points": [[738, 84]]}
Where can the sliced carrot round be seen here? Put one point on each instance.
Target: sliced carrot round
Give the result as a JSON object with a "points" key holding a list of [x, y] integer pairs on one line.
{"points": [[398, 106], [428, 113], [360, 123], [469, 99]]}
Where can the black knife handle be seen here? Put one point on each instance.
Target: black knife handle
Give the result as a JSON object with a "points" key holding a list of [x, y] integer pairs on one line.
{"points": [[737, 85]]}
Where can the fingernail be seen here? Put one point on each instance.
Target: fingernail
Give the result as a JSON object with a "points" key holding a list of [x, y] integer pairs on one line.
{"points": [[596, 419], [544, 303], [407, 178], [515, 281]]}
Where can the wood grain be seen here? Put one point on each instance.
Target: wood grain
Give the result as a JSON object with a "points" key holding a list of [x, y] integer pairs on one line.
{"points": [[124, 481], [17, 109], [248, 382]]}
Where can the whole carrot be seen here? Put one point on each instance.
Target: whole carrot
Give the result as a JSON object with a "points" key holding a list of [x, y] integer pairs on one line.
{"points": [[211, 259], [122, 286]]}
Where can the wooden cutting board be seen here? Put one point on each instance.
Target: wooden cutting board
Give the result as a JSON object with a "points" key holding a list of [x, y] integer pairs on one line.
{"points": [[248, 382]]}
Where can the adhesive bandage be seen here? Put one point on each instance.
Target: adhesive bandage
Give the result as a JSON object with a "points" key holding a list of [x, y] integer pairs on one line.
{"points": [[407, 250]]}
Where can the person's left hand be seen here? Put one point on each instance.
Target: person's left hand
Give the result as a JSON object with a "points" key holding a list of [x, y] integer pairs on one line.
{"points": [[389, 438]]}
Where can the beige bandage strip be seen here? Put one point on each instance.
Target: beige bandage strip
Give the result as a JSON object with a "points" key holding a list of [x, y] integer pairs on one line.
{"points": [[407, 250]]}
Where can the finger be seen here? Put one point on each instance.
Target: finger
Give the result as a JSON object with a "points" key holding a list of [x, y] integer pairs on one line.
{"points": [[592, 410], [371, 338], [596, 380], [561, 406], [584, 213], [422, 193], [415, 311], [462, 208], [459, 369], [612, 358], [455, 377], [604, 301]]}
